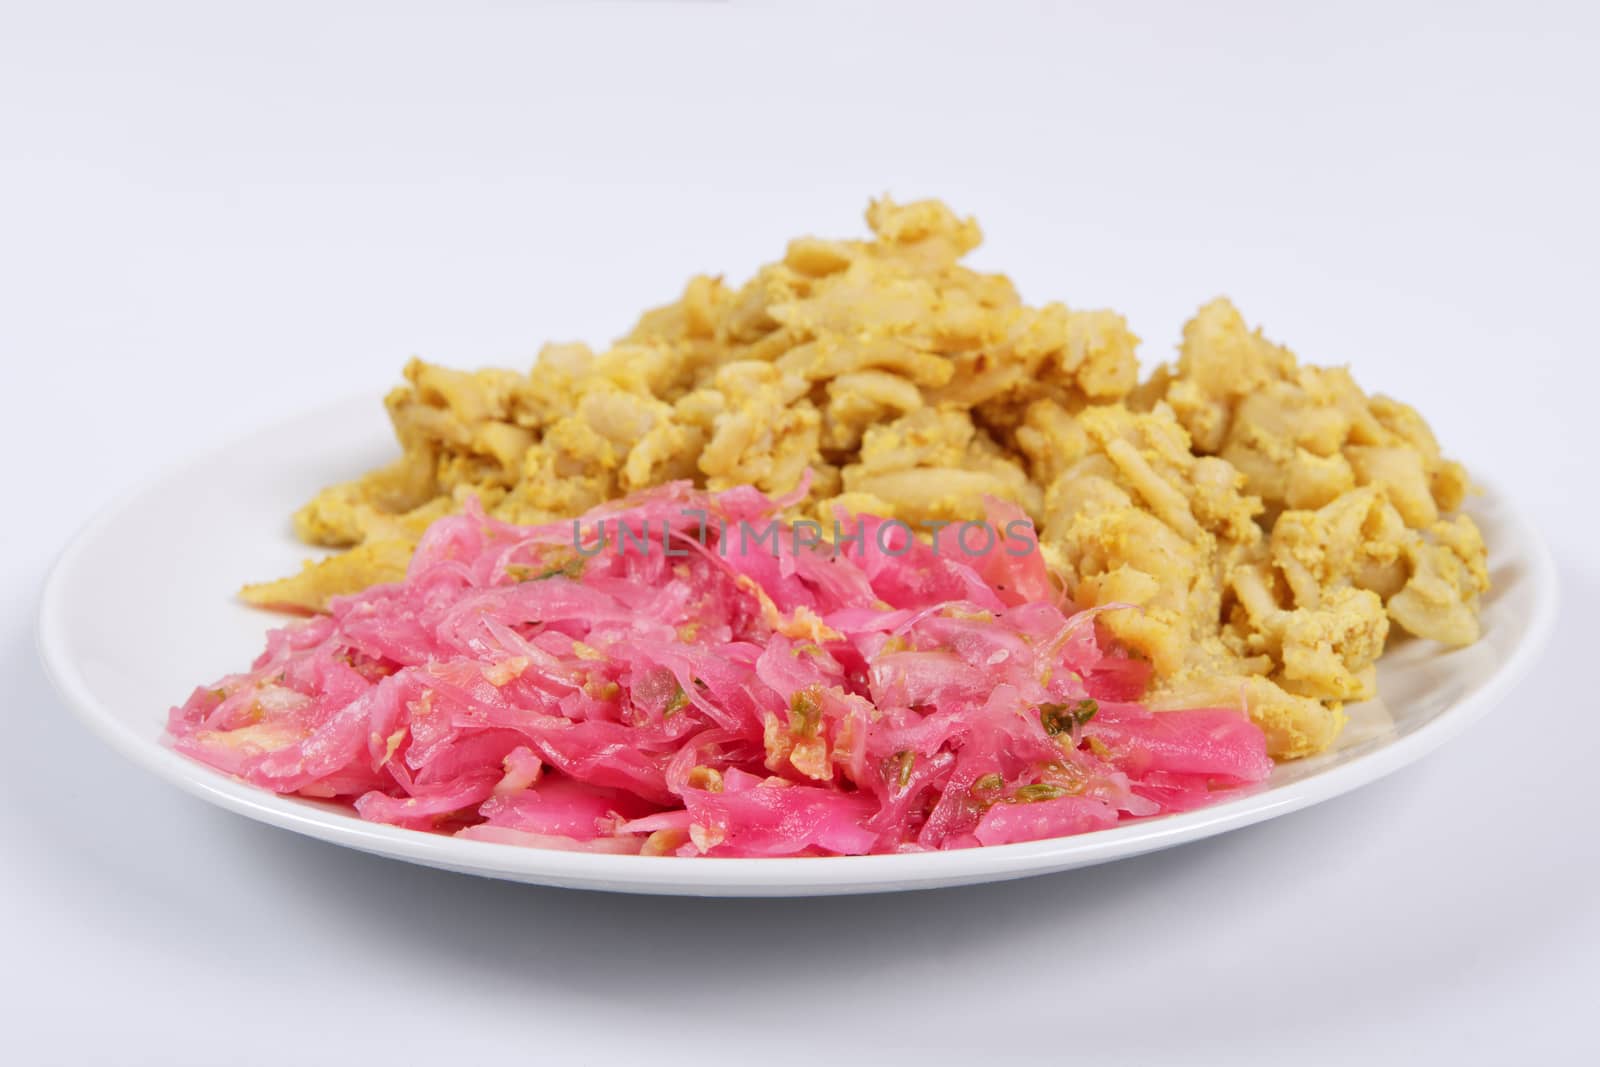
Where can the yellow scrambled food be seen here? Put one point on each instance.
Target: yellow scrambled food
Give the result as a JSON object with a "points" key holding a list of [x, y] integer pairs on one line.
{"points": [[1267, 521]]}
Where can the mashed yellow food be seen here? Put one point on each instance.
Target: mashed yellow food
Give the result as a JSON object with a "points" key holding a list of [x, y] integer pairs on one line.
{"points": [[1268, 520]]}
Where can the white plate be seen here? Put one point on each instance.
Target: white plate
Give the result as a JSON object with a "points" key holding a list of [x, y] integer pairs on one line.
{"points": [[139, 610]]}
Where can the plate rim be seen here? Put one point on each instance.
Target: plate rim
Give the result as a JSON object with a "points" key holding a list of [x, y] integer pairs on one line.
{"points": [[769, 876]]}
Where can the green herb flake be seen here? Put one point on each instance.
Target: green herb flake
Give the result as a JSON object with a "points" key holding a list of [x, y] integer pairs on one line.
{"points": [[987, 787], [904, 761], [1030, 794], [1063, 718], [573, 568], [676, 703], [805, 713]]}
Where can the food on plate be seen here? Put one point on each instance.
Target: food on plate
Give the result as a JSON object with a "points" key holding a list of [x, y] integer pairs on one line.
{"points": [[684, 674], [1253, 527]]}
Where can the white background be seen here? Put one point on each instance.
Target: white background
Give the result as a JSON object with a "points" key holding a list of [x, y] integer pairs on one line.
{"points": [[216, 217]]}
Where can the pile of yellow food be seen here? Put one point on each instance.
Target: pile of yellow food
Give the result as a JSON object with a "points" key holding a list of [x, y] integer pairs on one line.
{"points": [[1268, 520]]}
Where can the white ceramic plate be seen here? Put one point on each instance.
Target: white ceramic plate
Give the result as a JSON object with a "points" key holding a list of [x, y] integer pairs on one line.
{"points": [[139, 610]]}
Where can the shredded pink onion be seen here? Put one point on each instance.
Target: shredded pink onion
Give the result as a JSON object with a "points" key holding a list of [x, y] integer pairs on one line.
{"points": [[705, 695]]}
